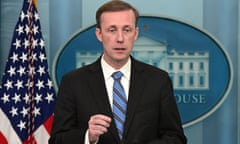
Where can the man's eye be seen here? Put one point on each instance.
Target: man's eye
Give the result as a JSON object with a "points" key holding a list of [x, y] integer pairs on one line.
{"points": [[127, 30], [111, 30]]}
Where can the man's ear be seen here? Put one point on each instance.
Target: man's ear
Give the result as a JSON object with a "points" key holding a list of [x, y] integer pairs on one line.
{"points": [[98, 34]]}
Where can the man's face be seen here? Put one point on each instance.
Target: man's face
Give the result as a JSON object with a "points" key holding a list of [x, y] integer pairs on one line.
{"points": [[117, 34]]}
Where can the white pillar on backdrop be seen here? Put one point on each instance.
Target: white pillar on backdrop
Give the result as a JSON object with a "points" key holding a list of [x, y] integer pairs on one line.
{"points": [[221, 20], [10, 10], [65, 20]]}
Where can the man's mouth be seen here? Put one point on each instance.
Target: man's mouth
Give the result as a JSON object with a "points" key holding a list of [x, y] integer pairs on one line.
{"points": [[119, 49]]}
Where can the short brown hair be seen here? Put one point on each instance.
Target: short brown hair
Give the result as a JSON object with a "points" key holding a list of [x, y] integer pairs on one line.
{"points": [[114, 6]]}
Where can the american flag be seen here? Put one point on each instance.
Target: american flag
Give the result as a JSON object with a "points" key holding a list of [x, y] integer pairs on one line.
{"points": [[27, 95]]}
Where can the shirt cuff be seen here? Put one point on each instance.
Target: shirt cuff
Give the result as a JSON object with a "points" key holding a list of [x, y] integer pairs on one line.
{"points": [[86, 141]]}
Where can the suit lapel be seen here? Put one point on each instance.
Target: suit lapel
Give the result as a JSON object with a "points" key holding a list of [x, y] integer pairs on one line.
{"points": [[135, 93], [98, 88], [99, 93]]}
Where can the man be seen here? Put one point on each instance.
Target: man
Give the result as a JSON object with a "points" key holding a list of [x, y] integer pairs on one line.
{"points": [[86, 105]]}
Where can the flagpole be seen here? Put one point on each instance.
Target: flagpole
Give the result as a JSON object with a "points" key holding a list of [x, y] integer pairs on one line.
{"points": [[31, 119]]}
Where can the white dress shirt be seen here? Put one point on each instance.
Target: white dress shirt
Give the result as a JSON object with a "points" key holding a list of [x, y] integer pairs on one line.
{"points": [[107, 73]]}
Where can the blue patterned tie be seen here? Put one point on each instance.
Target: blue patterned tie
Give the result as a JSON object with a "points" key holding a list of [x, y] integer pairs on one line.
{"points": [[119, 103]]}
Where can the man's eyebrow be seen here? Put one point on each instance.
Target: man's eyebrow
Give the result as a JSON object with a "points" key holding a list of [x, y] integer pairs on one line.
{"points": [[112, 26], [125, 26], [116, 27]]}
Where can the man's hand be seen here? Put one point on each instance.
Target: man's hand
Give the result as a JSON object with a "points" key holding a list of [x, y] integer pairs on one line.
{"points": [[97, 125]]}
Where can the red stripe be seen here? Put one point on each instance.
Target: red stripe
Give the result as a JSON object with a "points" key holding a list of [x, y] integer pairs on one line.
{"points": [[3, 140], [48, 124]]}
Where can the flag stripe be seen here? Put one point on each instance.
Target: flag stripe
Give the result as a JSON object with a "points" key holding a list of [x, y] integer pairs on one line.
{"points": [[48, 124], [7, 131], [3, 140], [41, 135]]}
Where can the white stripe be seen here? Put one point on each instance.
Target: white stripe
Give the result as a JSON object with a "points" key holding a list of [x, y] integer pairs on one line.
{"points": [[41, 135], [7, 130]]}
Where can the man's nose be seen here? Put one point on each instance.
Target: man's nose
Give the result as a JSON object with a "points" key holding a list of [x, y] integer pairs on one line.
{"points": [[120, 37]]}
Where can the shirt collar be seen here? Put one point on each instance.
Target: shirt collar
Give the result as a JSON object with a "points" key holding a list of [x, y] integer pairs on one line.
{"points": [[108, 70]]}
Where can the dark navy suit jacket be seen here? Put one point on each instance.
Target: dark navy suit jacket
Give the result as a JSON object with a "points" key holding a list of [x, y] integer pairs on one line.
{"points": [[152, 114]]}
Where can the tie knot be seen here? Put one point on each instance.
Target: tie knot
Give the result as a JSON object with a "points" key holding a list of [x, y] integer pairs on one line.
{"points": [[117, 75]]}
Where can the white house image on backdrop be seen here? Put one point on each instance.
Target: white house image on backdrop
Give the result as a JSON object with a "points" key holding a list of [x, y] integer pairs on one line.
{"points": [[188, 70]]}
